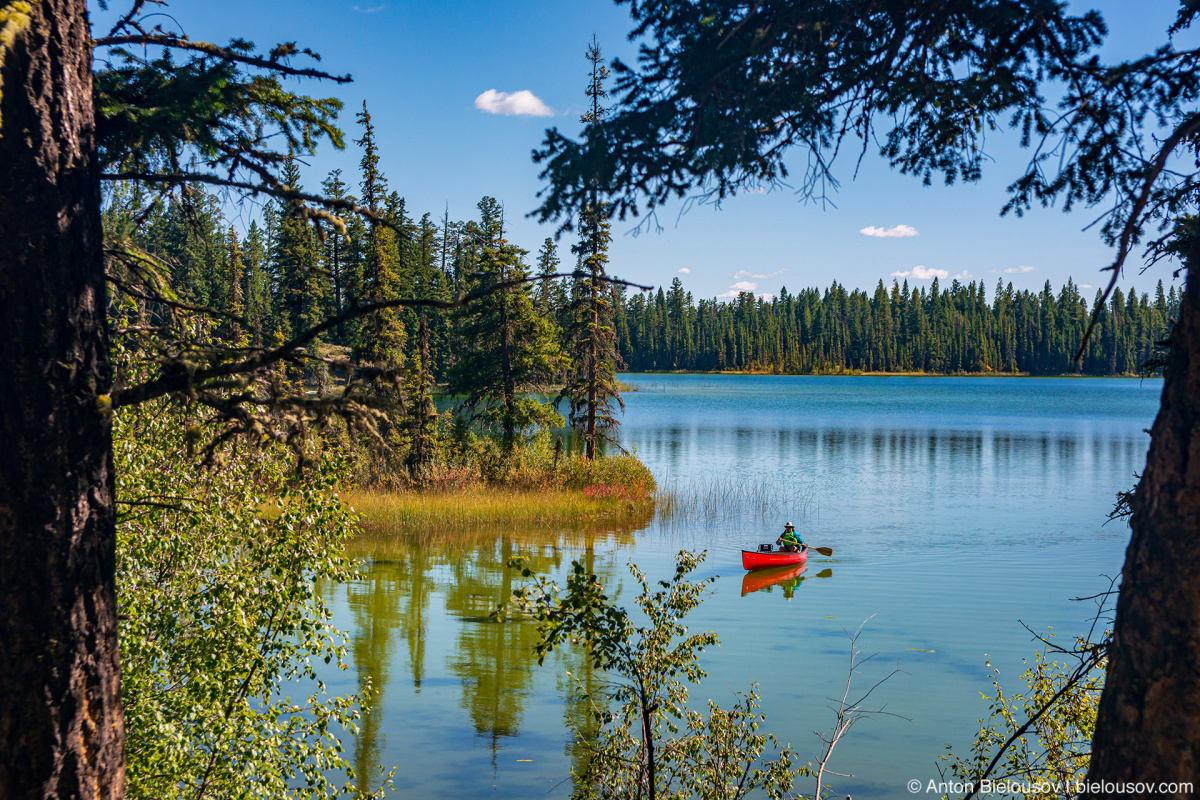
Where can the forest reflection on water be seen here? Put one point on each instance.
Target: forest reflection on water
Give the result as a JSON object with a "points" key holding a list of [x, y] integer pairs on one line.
{"points": [[421, 613], [957, 509]]}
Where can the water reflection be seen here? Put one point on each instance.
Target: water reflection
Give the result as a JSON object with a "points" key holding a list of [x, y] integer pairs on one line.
{"points": [[457, 579], [787, 578], [896, 448], [932, 494]]}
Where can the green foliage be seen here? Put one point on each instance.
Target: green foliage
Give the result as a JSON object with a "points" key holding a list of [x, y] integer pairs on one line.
{"points": [[653, 745], [217, 584], [625, 472], [1047, 729], [383, 336], [510, 353], [218, 105]]}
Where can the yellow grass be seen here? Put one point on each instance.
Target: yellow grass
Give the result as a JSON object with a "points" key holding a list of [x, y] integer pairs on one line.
{"points": [[487, 506]]}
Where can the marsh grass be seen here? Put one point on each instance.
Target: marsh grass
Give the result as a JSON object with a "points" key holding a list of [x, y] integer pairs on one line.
{"points": [[481, 506], [717, 498]]}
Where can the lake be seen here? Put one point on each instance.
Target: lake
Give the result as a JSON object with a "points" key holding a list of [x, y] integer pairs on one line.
{"points": [[957, 509]]}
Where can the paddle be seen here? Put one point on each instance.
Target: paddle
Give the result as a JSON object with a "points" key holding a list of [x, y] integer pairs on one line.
{"points": [[825, 551]]}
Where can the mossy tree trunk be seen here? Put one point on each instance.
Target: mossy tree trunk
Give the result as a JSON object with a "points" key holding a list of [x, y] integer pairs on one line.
{"points": [[61, 731]]}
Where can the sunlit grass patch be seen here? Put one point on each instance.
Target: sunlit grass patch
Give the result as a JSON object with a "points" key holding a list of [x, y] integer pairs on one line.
{"points": [[481, 505]]}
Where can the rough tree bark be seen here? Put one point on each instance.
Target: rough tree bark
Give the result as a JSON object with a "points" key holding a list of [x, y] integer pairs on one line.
{"points": [[1148, 727], [61, 732]]}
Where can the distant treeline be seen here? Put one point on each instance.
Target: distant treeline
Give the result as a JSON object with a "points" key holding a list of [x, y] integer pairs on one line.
{"points": [[281, 277], [896, 329]]}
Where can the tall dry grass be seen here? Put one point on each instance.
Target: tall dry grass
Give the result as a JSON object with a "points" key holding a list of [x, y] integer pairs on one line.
{"points": [[482, 505]]}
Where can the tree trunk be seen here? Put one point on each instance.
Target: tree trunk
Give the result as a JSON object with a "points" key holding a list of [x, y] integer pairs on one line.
{"points": [[1148, 727], [61, 732]]}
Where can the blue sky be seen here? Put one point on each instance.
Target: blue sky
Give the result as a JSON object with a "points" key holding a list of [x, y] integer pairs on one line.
{"points": [[421, 66]]}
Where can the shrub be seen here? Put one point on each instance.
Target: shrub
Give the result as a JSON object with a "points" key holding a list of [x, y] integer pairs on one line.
{"points": [[1042, 737], [624, 471], [217, 586]]}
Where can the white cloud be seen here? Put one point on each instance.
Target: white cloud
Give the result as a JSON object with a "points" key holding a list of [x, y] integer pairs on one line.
{"points": [[736, 289], [515, 104], [963, 276], [744, 274], [370, 10], [1015, 270], [922, 273], [684, 271], [766, 296], [1086, 286], [894, 232]]}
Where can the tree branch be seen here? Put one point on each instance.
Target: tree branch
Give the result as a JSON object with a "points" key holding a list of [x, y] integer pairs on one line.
{"points": [[224, 53], [180, 378]]}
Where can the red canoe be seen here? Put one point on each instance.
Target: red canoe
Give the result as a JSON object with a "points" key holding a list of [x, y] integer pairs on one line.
{"points": [[755, 559]]}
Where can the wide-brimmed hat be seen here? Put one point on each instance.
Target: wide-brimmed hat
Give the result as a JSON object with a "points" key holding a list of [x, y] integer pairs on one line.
{"points": [[788, 525]]}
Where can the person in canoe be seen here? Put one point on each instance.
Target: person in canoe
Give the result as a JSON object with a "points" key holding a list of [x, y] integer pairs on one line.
{"points": [[790, 541]]}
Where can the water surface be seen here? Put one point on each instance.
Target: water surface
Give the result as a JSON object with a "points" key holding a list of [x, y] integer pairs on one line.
{"points": [[957, 508]]}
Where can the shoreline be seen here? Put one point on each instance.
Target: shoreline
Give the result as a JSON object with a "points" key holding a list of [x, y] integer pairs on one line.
{"points": [[882, 374]]}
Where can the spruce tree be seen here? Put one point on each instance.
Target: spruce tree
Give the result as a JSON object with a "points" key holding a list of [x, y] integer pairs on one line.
{"points": [[510, 352], [550, 297], [300, 291], [381, 338], [591, 387], [422, 413], [334, 250]]}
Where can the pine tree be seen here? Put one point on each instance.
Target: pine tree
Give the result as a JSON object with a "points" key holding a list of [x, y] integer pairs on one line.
{"points": [[550, 297], [301, 297], [235, 286], [334, 251]]}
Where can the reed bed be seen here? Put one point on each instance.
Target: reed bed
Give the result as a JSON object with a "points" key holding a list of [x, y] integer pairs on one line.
{"points": [[481, 505], [715, 498]]}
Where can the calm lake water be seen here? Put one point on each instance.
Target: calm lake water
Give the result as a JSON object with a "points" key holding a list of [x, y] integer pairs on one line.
{"points": [[957, 509]]}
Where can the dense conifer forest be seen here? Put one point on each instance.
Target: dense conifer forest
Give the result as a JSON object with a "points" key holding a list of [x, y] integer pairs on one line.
{"points": [[897, 328], [281, 277]]}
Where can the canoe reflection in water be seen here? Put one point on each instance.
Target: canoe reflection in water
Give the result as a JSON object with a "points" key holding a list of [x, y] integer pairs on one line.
{"points": [[786, 577]]}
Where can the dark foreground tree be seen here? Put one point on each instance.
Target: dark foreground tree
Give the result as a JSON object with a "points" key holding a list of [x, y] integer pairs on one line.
{"points": [[145, 105], [723, 91], [61, 730]]}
